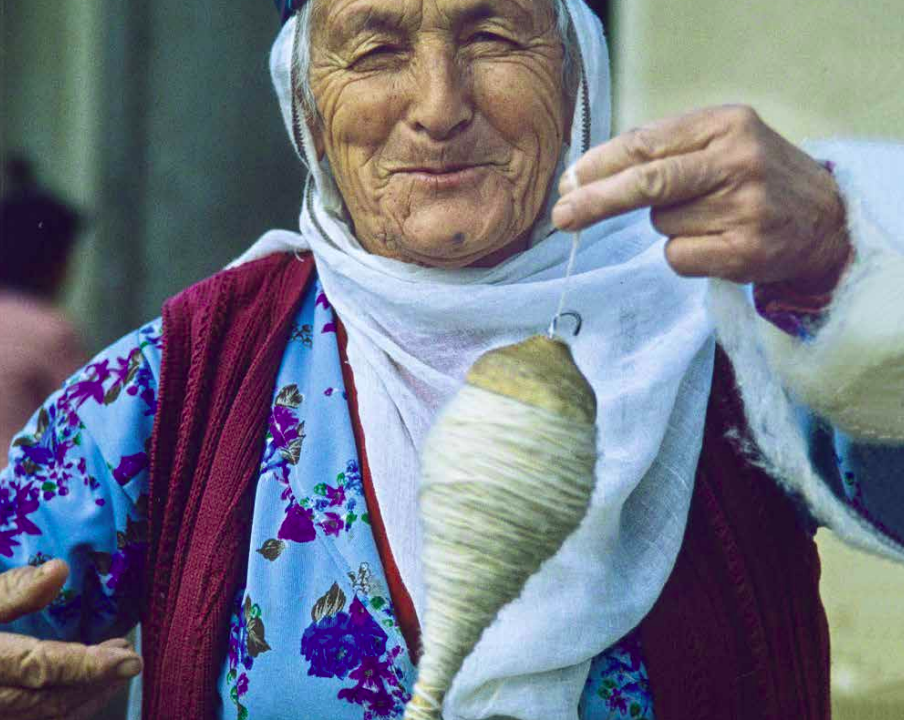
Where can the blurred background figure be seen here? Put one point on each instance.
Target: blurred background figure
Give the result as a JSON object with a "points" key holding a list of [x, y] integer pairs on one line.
{"points": [[39, 347]]}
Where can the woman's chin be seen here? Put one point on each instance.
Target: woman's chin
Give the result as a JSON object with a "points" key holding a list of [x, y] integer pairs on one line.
{"points": [[433, 257], [455, 235]]}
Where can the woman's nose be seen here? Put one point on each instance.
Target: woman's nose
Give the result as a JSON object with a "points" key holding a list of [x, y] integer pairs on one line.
{"points": [[441, 100]]}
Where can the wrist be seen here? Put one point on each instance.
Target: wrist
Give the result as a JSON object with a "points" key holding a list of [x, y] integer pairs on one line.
{"points": [[834, 252], [796, 305]]}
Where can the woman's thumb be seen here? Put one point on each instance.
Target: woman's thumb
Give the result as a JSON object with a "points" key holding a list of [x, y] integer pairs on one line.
{"points": [[27, 589]]}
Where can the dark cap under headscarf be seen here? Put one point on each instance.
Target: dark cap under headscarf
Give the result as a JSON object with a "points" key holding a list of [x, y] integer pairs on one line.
{"points": [[287, 8]]}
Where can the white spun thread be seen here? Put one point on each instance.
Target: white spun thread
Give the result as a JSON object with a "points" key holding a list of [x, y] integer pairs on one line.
{"points": [[575, 242], [503, 485]]}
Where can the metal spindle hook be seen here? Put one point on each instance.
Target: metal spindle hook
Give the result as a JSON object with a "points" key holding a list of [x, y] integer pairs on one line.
{"points": [[578, 322]]}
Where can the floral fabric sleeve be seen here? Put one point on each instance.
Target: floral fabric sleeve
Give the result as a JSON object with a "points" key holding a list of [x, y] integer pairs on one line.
{"points": [[867, 476], [75, 489]]}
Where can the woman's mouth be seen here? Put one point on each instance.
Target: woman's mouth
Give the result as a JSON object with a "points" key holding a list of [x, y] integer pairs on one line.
{"points": [[443, 178]]}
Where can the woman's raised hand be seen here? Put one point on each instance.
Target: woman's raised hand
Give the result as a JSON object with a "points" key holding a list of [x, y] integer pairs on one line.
{"points": [[736, 200], [42, 679]]}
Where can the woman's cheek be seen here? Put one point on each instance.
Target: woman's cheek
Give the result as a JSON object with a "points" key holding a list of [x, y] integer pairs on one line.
{"points": [[365, 115], [521, 104]]}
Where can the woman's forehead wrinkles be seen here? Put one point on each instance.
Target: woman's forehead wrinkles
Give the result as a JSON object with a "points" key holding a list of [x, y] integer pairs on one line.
{"points": [[369, 16], [523, 12], [399, 16]]}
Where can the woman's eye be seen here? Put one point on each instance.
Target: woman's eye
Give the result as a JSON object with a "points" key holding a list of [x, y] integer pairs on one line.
{"points": [[377, 54], [491, 37]]}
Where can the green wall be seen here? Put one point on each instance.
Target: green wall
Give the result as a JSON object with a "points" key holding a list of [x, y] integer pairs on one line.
{"points": [[158, 120]]}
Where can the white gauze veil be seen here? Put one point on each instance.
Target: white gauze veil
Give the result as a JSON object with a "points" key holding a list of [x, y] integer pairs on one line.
{"points": [[646, 347]]}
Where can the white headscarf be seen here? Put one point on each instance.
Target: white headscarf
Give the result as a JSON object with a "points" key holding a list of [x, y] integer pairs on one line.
{"points": [[646, 347]]}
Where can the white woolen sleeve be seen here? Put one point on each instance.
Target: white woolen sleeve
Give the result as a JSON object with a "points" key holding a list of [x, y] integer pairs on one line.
{"points": [[851, 373]]}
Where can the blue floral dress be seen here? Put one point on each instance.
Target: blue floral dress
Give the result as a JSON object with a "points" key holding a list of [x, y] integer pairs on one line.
{"points": [[313, 632]]}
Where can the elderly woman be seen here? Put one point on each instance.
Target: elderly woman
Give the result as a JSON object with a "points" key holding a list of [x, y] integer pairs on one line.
{"points": [[241, 475]]}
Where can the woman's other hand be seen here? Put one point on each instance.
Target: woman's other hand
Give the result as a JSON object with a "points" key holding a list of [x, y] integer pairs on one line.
{"points": [[41, 679], [736, 199]]}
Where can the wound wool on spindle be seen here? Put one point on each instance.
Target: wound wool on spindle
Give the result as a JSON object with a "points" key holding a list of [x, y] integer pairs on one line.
{"points": [[507, 476]]}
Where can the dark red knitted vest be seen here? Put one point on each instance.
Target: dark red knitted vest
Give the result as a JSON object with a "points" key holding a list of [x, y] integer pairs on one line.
{"points": [[223, 342], [739, 631]]}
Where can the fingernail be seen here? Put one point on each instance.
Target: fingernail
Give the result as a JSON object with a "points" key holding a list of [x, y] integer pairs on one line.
{"points": [[49, 567], [567, 183], [563, 215], [125, 663], [129, 667]]}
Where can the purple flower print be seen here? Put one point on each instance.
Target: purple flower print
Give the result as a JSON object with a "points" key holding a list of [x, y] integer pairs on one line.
{"points": [[285, 429], [283, 426], [142, 388], [322, 301], [336, 495], [617, 701], [378, 702], [352, 477], [41, 454], [123, 570], [361, 618], [330, 648], [58, 470], [238, 637], [377, 688], [8, 542], [298, 525], [620, 678], [151, 336], [122, 372], [246, 641], [17, 501], [91, 387], [332, 524], [127, 567], [336, 644], [131, 374], [241, 685], [129, 466]]}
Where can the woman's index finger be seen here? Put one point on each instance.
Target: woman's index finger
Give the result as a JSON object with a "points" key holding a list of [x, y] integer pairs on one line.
{"points": [[657, 141], [670, 181]]}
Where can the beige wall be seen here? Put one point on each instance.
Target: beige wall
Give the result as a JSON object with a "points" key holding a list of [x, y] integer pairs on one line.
{"points": [[814, 69]]}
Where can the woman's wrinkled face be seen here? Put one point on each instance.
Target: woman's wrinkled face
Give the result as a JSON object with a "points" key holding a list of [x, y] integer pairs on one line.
{"points": [[442, 121]]}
